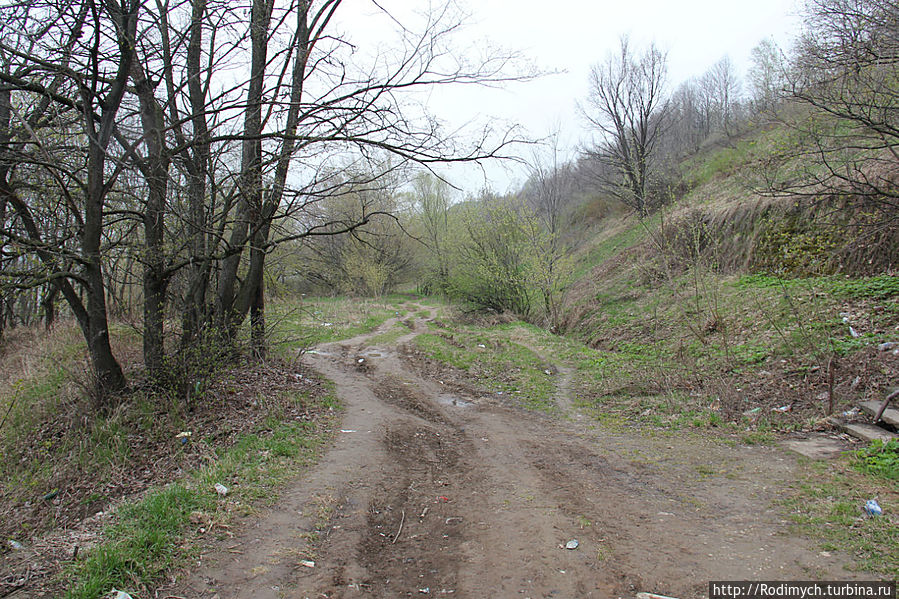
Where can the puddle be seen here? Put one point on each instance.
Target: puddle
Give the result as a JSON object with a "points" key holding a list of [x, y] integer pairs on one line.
{"points": [[452, 400]]}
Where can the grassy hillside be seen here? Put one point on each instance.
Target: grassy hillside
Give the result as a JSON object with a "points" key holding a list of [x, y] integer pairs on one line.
{"points": [[736, 304]]}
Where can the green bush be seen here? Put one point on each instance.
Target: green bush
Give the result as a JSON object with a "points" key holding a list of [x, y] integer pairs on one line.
{"points": [[495, 269]]}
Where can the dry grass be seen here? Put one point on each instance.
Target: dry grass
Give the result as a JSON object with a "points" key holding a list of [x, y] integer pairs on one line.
{"points": [[28, 352], [62, 463]]}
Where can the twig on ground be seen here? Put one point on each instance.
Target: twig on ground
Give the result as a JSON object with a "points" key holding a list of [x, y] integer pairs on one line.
{"points": [[885, 403], [8, 410], [398, 532]]}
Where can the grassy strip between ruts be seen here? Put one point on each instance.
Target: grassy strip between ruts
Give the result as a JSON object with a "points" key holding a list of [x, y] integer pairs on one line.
{"points": [[325, 320], [495, 362], [152, 536]]}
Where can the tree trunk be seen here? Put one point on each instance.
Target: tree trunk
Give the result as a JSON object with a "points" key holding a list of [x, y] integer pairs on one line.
{"points": [[257, 323], [5, 114], [109, 376], [49, 306], [250, 297], [198, 169], [249, 206], [156, 171]]}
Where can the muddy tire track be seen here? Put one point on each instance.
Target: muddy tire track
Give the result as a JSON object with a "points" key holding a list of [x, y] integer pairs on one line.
{"points": [[435, 490]]}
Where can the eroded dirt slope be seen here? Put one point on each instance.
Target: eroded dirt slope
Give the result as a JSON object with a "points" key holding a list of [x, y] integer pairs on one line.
{"points": [[435, 490]]}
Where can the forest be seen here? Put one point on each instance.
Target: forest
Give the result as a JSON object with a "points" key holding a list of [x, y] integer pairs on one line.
{"points": [[202, 203]]}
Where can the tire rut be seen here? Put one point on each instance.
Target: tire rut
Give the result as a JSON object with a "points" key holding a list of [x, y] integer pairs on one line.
{"points": [[433, 490]]}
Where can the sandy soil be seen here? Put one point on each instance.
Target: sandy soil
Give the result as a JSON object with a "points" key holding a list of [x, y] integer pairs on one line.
{"points": [[434, 490]]}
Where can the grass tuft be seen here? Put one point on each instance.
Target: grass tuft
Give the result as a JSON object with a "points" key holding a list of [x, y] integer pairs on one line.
{"points": [[879, 459]]}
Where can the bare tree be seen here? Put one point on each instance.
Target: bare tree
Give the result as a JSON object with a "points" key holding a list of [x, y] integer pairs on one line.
{"points": [[628, 107], [722, 88], [69, 66], [118, 116], [433, 200], [548, 192], [767, 75], [689, 124], [334, 108], [846, 72]]}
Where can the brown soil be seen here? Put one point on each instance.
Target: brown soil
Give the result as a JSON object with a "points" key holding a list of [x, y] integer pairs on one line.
{"points": [[434, 490]]}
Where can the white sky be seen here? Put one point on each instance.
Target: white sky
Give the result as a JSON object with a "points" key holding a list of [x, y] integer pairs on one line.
{"points": [[570, 36]]}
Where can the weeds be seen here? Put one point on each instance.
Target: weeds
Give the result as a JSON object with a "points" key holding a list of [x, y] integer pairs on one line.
{"points": [[879, 459], [828, 503]]}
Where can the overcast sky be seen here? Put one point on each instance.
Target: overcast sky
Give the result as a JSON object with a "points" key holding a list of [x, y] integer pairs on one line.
{"points": [[571, 35]]}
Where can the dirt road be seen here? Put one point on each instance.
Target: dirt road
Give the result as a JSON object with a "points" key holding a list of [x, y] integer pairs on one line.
{"points": [[433, 490]]}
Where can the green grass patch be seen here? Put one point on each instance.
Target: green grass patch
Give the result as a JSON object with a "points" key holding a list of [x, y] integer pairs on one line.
{"points": [[879, 459], [141, 546], [498, 364], [387, 337], [630, 233], [758, 438], [441, 349], [877, 287], [151, 536], [719, 162], [828, 504], [325, 320]]}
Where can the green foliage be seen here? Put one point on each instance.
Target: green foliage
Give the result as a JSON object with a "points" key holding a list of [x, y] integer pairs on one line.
{"points": [[368, 261], [750, 353], [367, 274], [878, 287], [506, 261], [879, 459], [41, 393], [495, 269]]}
